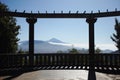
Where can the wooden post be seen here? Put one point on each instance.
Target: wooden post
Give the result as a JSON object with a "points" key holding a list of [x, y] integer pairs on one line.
{"points": [[31, 22], [91, 74]]}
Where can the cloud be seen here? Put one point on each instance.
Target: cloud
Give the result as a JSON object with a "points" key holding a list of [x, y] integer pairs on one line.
{"points": [[86, 45], [101, 46], [106, 46]]}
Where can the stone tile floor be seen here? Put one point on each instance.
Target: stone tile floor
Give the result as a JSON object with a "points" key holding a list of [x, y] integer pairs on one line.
{"points": [[61, 75]]}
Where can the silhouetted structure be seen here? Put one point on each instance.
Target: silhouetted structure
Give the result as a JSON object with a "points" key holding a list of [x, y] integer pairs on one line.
{"points": [[108, 63]]}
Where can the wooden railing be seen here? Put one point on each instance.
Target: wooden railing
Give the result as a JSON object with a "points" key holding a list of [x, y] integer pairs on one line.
{"points": [[58, 60], [107, 60]]}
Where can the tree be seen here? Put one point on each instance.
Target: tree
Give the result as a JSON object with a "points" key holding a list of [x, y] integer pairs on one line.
{"points": [[60, 51], [8, 32], [116, 36], [97, 50], [73, 51]]}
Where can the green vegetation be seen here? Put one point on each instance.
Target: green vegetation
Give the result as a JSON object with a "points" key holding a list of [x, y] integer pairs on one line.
{"points": [[97, 50], [73, 51], [8, 32], [116, 36], [60, 51]]}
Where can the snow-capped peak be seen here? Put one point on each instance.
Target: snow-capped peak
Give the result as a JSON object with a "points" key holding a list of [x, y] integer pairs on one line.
{"points": [[55, 40]]}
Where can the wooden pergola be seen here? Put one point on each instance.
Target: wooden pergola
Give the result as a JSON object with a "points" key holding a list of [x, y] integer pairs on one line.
{"points": [[91, 18]]}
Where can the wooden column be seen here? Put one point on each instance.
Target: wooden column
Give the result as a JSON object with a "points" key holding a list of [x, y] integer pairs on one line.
{"points": [[31, 22], [91, 74]]}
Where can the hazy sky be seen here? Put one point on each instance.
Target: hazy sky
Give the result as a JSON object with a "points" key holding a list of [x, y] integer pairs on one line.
{"points": [[68, 30]]}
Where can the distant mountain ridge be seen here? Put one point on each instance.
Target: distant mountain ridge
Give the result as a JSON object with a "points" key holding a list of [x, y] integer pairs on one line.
{"points": [[52, 46]]}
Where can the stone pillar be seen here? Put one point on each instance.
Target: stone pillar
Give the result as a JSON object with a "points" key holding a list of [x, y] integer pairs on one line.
{"points": [[91, 74], [31, 22]]}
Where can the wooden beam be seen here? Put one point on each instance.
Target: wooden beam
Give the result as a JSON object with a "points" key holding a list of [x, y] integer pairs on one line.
{"points": [[61, 15]]}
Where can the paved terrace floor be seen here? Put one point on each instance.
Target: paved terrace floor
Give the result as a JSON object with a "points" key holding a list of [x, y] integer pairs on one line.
{"points": [[60, 75]]}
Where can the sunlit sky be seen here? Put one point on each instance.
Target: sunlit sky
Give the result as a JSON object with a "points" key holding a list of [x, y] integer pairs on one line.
{"points": [[73, 31]]}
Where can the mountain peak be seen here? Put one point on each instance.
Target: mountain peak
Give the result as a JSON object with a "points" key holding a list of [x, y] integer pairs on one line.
{"points": [[55, 40]]}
